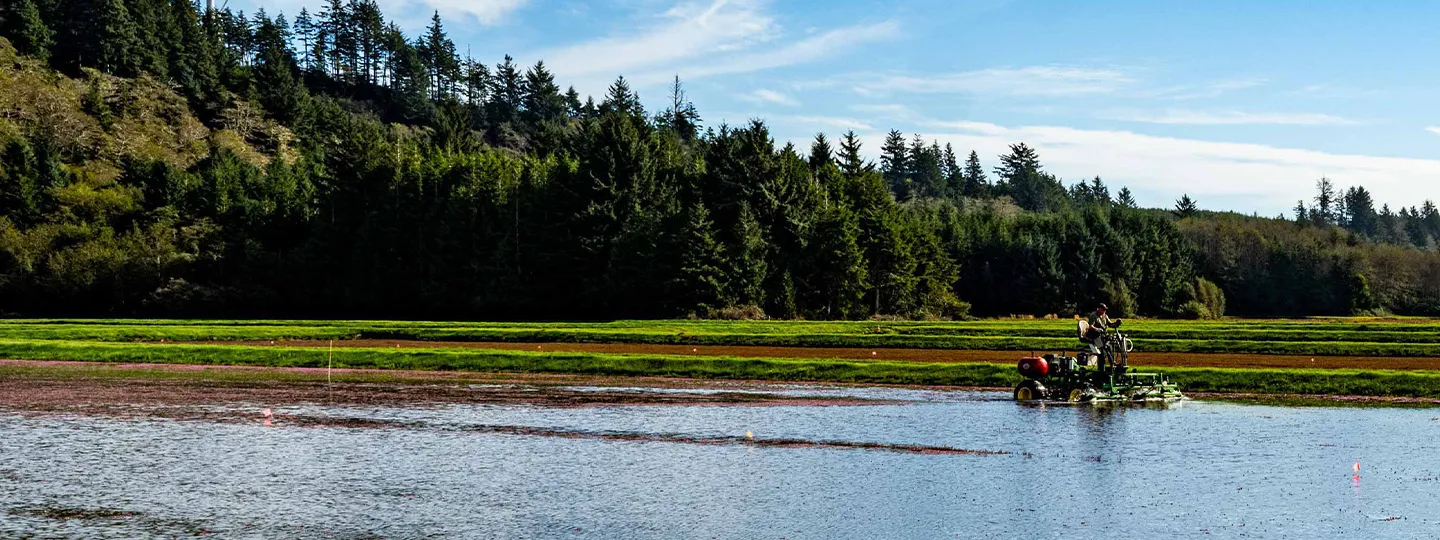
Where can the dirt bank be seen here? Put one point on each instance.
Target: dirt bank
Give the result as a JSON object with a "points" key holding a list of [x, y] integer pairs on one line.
{"points": [[1139, 359], [82, 386]]}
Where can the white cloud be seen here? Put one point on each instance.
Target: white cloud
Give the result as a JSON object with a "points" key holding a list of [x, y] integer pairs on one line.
{"points": [[811, 122], [1238, 176], [488, 12], [1433, 129], [1210, 90], [698, 40], [809, 49], [1027, 81], [685, 31], [1215, 118], [764, 95]]}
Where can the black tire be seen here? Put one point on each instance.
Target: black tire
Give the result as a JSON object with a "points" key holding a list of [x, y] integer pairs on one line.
{"points": [[1029, 391]]}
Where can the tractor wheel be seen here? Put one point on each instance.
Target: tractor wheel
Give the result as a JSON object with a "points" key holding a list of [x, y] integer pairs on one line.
{"points": [[1029, 391], [1078, 395]]}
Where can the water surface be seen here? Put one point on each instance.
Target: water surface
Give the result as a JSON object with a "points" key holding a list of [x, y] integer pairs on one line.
{"points": [[430, 471]]}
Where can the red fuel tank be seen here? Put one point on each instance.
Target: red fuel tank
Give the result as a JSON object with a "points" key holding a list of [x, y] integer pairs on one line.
{"points": [[1034, 368]]}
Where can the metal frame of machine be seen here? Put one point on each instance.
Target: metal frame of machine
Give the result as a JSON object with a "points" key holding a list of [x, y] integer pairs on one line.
{"points": [[1086, 377]]}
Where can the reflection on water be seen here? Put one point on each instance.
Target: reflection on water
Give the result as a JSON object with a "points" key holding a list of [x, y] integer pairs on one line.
{"points": [[1071, 472]]}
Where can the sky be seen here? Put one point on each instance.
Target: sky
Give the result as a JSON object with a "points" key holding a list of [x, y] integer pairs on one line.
{"points": [[1243, 105]]}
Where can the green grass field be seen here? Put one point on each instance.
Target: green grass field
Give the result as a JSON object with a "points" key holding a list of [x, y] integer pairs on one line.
{"points": [[127, 341], [1330, 337]]}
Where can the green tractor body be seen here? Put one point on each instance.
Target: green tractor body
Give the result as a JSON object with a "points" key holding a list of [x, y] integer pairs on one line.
{"points": [[1099, 375]]}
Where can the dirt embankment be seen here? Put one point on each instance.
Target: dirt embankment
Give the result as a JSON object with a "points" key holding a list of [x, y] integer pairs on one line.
{"points": [[1139, 359], [79, 386]]}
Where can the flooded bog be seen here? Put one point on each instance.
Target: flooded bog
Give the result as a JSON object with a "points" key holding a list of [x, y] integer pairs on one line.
{"points": [[819, 462]]}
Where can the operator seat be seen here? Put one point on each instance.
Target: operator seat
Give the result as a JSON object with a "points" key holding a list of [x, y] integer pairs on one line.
{"points": [[1088, 355]]}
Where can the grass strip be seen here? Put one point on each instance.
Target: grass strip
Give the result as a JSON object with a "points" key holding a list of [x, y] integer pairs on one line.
{"points": [[711, 333], [1422, 384]]}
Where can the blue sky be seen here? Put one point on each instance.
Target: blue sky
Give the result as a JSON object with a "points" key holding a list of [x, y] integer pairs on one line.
{"points": [[1243, 105]]}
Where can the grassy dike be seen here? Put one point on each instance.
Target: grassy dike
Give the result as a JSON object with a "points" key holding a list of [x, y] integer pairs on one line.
{"points": [[1414, 339], [1415, 384]]}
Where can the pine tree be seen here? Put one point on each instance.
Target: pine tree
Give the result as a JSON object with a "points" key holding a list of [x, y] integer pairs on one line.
{"points": [[1023, 180], [976, 184], [895, 164], [505, 92], [621, 99], [954, 175], [681, 116], [154, 34], [850, 161], [117, 43], [701, 282], [541, 96], [835, 280], [1185, 207], [20, 21], [1099, 191], [820, 152], [305, 33], [438, 53], [192, 61], [1125, 199], [1324, 211], [274, 72], [747, 268]]}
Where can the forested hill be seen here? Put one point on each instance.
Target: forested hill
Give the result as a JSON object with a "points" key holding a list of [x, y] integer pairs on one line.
{"points": [[155, 160]]}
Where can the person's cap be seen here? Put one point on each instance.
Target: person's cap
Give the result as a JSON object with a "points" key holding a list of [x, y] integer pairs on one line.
{"points": [[1103, 307]]}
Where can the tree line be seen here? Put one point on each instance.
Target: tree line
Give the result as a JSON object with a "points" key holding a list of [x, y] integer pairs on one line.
{"points": [[341, 168]]}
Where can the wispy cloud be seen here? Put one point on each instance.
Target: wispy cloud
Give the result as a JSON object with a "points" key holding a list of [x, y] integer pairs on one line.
{"points": [[1247, 177], [888, 111], [1433, 129], [1217, 118], [810, 49], [813, 122], [765, 95], [684, 31], [701, 40], [1025, 81], [1210, 90]]}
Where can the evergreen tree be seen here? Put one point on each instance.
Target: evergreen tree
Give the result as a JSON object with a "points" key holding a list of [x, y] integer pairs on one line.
{"points": [[835, 282], [850, 161], [20, 22], [681, 116], [541, 98], [747, 266], [619, 98], [1360, 211], [117, 43], [953, 174], [280, 92], [701, 283], [821, 154], [1125, 199], [895, 164], [1185, 207], [1023, 180], [505, 92], [305, 31], [1323, 212], [976, 184], [192, 61], [438, 53]]}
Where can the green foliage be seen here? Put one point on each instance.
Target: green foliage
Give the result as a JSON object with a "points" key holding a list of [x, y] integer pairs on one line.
{"points": [[1185, 207], [341, 167], [20, 21]]}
